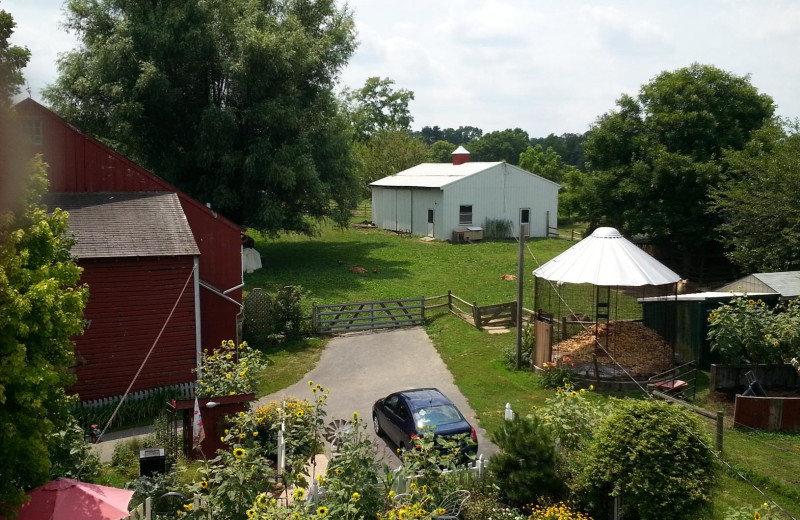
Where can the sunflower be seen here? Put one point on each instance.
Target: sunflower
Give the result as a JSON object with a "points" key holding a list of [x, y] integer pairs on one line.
{"points": [[322, 512], [261, 499], [203, 484], [311, 383], [756, 516], [255, 434], [299, 413], [238, 453], [356, 497], [251, 513], [355, 415], [299, 494], [243, 435]]}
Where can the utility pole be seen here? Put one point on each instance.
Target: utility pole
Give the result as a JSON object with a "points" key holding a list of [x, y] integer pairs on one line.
{"points": [[520, 272]]}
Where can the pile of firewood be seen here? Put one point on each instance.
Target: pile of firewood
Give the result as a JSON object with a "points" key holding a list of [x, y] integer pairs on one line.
{"points": [[640, 350]]}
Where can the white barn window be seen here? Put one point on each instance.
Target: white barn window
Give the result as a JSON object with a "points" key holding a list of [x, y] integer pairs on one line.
{"points": [[465, 214]]}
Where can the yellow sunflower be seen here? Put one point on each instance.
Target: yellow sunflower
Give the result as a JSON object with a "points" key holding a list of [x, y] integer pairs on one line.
{"points": [[299, 494], [322, 512], [239, 453]]}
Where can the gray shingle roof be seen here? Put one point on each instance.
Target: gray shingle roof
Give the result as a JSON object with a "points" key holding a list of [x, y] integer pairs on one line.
{"points": [[786, 283], [126, 224]]}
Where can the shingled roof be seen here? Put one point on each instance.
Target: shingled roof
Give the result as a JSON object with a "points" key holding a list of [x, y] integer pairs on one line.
{"points": [[126, 224]]}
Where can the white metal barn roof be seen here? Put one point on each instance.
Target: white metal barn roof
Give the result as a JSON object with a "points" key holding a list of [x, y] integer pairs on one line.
{"points": [[433, 175], [606, 258]]}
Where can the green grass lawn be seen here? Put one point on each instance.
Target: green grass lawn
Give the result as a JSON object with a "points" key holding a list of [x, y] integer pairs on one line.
{"points": [[408, 267]]}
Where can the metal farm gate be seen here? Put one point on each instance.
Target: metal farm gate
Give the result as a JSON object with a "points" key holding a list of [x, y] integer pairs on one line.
{"points": [[352, 317]]}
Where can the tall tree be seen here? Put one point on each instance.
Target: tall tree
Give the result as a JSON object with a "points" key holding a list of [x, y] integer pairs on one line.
{"points": [[231, 101], [655, 159], [12, 60], [504, 145], [386, 153], [378, 106], [442, 151], [545, 163], [41, 308], [569, 146], [759, 205]]}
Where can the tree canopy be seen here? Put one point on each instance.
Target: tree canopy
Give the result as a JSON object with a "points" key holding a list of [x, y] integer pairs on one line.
{"points": [[41, 308], [12, 60], [504, 145], [231, 101], [386, 153], [654, 160], [758, 204], [377, 107]]}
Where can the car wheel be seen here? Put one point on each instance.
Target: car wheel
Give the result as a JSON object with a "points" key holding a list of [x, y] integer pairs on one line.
{"points": [[377, 425]]}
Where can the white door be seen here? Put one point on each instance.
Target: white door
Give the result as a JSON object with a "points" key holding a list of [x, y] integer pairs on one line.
{"points": [[430, 222], [525, 221]]}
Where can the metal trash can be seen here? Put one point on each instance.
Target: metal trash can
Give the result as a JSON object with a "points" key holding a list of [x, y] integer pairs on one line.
{"points": [[152, 461]]}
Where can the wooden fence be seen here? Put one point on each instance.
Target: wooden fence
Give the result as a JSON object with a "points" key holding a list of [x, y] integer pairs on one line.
{"points": [[495, 315], [358, 316], [184, 391]]}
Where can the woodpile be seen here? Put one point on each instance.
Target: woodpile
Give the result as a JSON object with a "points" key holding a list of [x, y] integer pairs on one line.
{"points": [[640, 350]]}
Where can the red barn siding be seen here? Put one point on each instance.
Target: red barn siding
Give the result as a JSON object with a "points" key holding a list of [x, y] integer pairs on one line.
{"points": [[80, 163], [129, 301]]}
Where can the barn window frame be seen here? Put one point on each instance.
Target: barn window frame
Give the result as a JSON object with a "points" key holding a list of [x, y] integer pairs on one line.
{"points": [[465, 214], [32, 129]]}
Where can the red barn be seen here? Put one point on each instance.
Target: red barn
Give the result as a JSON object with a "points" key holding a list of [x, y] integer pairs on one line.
{"points": [[140, 242]]}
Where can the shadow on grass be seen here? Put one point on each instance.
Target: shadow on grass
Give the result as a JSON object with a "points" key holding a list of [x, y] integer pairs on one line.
{"points": [[325, 264]]}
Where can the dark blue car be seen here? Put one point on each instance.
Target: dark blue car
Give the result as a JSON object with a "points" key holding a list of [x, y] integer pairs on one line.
{"points": [[403, 414]]}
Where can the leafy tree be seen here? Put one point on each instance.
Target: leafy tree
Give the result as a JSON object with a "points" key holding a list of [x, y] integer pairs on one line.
{"points": [[442, 151], [569, 146], [655, 159], [12, 60], [41, 308], [525, 468], [377, 107], [231, 101], [505, 145], [387, 153], [430, 134], [545, 163], [655, 456], [462, 135], [759, 206]]}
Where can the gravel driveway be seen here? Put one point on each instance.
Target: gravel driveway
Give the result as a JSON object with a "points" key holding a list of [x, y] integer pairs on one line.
{"points": [[360, 368]]}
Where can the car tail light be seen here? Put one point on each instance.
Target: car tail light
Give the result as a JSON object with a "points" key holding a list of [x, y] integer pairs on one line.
{"points": [[474, 435]]}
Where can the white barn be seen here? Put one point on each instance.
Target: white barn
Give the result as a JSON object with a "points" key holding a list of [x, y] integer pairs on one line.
{"points": [[436, 199]]}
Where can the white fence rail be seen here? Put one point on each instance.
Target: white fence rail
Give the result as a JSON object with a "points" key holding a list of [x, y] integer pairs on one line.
{"points": [[184, 391]]}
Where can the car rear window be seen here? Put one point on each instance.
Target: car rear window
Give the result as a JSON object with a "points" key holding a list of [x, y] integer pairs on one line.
{"points": [[436, 416]]}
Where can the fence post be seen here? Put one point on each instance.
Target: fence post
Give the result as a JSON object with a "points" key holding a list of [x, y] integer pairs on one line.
{"points": [[422, 302], [449, 300], [148, 508], [314, 316], [476, 315], [720, 416]]}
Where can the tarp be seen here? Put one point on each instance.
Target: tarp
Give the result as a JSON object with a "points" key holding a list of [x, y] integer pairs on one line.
{"points": [[606, 258]]}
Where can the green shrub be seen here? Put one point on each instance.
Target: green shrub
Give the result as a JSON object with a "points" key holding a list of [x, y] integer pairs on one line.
{"points": [[652, 454], [270, 320], [528, 348], [525, 468], [497, 228], [71, 456], [748, 331]]}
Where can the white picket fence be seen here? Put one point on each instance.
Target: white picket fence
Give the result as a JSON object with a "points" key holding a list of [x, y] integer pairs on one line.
{"points": [[184, 390]]}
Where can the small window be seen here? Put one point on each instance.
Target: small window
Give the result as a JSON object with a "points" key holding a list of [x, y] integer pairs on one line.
{"points": [[465, 214], [32, 126]]}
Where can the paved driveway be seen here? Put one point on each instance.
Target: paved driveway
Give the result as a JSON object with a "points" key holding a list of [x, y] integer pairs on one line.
{"points": [[360, 368]]}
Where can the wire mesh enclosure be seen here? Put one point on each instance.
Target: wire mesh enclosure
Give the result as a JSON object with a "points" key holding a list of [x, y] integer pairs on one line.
{"points": [[602, 332]]}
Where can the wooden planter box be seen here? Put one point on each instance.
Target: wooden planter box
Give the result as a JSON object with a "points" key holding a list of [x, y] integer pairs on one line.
{"points": [[214, 421]]}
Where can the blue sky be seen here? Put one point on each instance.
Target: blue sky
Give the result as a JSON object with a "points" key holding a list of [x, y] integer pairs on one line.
{"points": [[545, 67]]}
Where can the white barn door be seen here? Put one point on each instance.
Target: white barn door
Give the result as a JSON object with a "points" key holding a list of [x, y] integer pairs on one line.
{"points": [[404, 211]]}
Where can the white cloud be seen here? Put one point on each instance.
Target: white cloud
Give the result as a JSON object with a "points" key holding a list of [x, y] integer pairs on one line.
{"points": [[542, 66]]}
